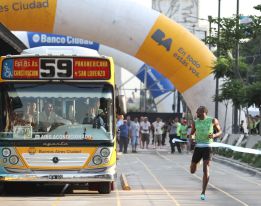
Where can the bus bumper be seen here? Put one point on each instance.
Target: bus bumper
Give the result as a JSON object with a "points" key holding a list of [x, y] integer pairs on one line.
{"points": [[108, 175]]}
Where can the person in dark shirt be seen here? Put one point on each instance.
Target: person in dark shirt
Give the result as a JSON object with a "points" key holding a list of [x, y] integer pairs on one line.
{"points": [[124, 136]]}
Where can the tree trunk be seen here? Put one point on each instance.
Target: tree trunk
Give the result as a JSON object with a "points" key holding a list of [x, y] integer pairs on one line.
{"points": [[225, 121]]}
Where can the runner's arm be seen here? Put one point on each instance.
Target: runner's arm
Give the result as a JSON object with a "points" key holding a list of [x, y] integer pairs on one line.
{"points": [[193, 129], [217, 128]]}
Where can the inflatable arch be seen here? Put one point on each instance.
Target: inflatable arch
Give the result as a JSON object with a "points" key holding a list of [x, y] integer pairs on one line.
{"points": [[131, 28], [159, 86]]}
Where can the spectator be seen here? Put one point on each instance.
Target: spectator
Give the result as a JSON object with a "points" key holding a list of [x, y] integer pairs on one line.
{"points": [[135, 131], [174, 133], [145, 132], [118, 124], [251, 124], [158, 126], [242, 131], [140, 135], [184, 134], [164, 133], [124, 136]]}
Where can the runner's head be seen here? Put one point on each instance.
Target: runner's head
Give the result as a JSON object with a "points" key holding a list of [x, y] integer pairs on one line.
{"points": [[202, 111]]}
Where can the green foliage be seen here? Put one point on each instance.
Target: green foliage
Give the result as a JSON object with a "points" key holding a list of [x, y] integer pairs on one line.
{"points": [[229, 153], [251, 159], [237, 155], [235, 90], [248, 158], [222, 67], [257, 162], [225, 152], [242, 82], [258, 7], [221, 151], [253, 94]]}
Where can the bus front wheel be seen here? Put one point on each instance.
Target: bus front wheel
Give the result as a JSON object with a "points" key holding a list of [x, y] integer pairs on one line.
{"points": [[104, 188], [2, 188]]}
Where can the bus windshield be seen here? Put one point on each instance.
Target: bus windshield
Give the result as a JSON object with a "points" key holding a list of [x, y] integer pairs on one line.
{"points": [[68, 110]]}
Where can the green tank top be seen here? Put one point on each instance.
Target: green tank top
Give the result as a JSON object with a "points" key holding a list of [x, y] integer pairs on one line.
{"points": [[203, 129], [183, 131]]}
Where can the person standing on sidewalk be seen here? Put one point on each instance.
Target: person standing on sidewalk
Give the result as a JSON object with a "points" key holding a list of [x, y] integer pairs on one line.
{"points": [[203, 129], [135, 131], [158, 126], [124, 136], [145, 132], [184, 134]]}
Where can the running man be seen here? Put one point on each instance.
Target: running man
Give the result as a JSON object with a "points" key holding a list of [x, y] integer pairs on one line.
{"points": [[203, 128]]}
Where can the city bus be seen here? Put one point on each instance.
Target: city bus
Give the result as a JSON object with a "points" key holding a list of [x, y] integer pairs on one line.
{"points": [[57, 123]]}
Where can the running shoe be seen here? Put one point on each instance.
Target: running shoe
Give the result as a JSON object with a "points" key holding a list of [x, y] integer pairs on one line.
{"points": [[202, 196]]}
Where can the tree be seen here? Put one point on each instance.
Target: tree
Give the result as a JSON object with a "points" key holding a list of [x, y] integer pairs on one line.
{"points": [[242, 82]]}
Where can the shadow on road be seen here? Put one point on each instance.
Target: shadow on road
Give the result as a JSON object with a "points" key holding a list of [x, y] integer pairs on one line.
{"points": [[40, 189]]}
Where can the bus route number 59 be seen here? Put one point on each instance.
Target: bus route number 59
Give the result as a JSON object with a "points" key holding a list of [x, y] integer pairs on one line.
{"points": [[56, 68]]}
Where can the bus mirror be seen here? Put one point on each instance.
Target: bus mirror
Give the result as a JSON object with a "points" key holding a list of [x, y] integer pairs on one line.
{"points": [[121, 105]]}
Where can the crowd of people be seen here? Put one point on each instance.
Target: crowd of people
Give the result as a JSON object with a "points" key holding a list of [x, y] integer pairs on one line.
{"points": [[140, 131]]}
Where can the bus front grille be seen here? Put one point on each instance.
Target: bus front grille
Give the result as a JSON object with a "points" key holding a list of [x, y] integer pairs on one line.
{"points": [[55, 159]]}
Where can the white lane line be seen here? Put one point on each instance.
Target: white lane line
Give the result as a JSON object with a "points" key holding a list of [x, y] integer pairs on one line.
{"points": [[156, 179], [213, 186], [117, 194], [57, 201]]}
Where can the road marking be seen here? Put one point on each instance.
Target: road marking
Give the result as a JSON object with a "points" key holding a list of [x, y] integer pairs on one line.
{"points": [[117, 194], [156, 179], [213, 186], [56, 202]]}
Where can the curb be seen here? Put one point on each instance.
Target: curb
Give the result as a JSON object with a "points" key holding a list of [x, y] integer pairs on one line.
{"points": [[237, 165], [124, 182]]}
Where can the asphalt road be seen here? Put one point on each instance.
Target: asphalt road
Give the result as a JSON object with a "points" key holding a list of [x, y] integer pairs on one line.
{"points": [[156, 177]]}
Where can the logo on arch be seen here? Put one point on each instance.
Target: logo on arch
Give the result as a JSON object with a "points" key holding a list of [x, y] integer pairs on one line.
{"points": [[160, 37]]}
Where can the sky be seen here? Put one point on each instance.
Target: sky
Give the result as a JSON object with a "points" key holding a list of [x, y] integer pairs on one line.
{"points": [[227, 8]]}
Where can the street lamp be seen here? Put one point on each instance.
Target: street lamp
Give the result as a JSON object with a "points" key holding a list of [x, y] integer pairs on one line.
{"points": [[210, 22], [218, 54], [235, 126]]}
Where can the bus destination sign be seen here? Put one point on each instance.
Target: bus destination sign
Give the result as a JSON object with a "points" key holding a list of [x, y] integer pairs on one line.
{"points": [[33, 68]]}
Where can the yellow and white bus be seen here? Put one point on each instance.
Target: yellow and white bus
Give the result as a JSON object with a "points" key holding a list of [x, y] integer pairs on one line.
{"points": [[57, 121]]}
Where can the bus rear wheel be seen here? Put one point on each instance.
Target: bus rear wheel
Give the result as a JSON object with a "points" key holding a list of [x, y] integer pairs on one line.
{"points": [[104, 188], [2, 188]]}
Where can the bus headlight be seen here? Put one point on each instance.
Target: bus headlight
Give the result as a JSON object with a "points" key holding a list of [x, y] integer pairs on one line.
{"points": [[13, 160], [105, 152], [97, 160], [6, 152]]}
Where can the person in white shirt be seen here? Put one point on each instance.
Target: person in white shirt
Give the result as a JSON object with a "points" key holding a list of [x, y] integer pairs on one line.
{"points": [[135, 131], [145, 133], [158, 130]]}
